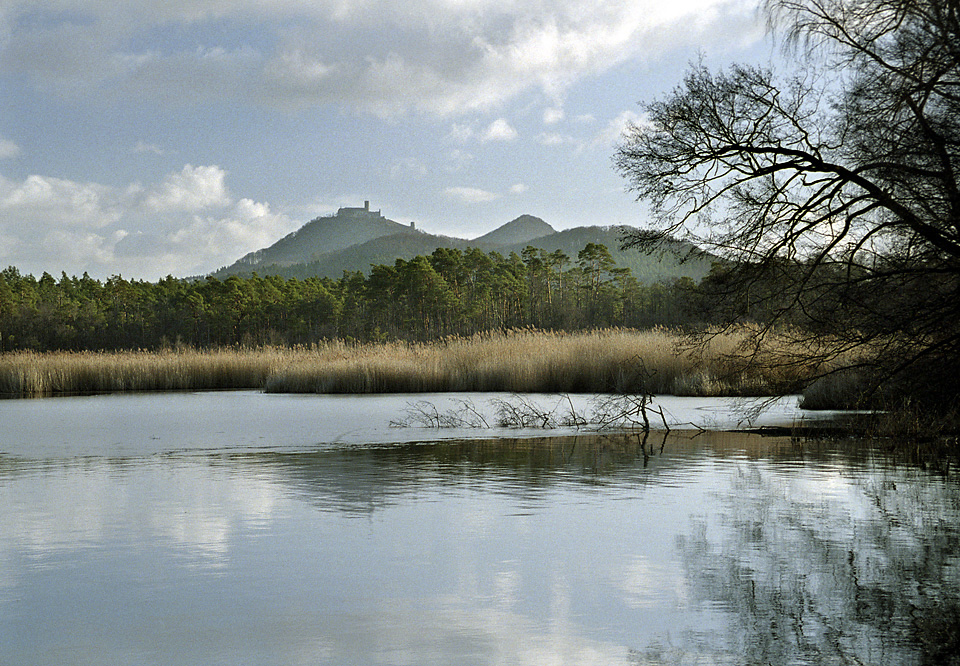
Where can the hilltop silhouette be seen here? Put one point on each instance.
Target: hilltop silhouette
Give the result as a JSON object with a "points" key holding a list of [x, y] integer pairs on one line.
{"points": [[354, 239]]}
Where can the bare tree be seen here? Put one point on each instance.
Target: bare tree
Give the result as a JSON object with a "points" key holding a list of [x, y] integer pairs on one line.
{"points": [[832, 193]]}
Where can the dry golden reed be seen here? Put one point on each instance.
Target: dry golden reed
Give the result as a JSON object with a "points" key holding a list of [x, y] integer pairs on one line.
{"points": [[659, 361], [31, 374]]}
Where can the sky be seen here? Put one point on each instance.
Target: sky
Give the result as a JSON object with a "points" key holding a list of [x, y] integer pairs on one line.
{"points": [[171, 137]]}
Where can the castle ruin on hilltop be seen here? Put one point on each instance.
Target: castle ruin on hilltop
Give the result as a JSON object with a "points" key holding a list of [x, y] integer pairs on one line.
{"points": [[348, 211], [359, 211]]}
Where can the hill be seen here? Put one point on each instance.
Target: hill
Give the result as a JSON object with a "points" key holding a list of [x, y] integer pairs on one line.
{"points": [[384, 250], [519, 231], [357, 238], [322, 236], [673, 260]]}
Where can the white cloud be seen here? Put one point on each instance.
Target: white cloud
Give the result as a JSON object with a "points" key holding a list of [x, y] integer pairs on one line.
{"points": [[61, 202], [461, 133], [470, 195], [409, 167], [444, 57], [77, 247], [553, 139], [43, 218], [245, 226], [297, 70], [193, 189], [518, 188], [500, 130], [552, 116], [8, 149], [184, 225], [144, 147], [613, 132]]}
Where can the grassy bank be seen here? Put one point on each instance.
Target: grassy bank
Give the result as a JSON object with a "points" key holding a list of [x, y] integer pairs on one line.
{"points": [[656, 361]]}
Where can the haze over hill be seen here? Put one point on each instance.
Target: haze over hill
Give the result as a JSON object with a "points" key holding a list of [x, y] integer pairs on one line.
{"points": [[354, 239]]}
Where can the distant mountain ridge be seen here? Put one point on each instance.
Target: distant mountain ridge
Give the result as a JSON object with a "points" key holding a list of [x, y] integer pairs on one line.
{"points": [[354, 239]]}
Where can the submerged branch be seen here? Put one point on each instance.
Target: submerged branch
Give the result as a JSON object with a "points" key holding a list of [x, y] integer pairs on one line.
{"points": [[618, 412]]}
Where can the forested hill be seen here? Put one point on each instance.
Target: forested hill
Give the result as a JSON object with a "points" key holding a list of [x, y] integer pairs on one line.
{"points": [[357, 239], [674, 260], [350, 226], [520, 230]]}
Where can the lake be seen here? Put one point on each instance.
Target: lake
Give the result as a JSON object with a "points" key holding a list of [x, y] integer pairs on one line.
{"points": [[244, 528]]}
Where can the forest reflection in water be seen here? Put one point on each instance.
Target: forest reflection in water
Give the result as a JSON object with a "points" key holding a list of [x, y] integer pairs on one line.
{"points": [[815, 555], [710, 548]]}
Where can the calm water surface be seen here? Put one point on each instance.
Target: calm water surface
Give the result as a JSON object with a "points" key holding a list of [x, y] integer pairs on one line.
{"points": [[240, 528]]}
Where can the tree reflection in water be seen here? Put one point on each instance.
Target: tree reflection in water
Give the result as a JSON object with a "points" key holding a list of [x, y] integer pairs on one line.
{"points": [[832, 568], [814, 558], [709, 548]]}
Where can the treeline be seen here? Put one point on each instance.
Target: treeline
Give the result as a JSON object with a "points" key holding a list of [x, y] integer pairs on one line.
{"points": [[450, 292]]}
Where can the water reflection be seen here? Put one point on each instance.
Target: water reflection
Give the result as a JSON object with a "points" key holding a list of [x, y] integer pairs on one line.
{"points": [[831, 566], [363, 479], [718, 548]]}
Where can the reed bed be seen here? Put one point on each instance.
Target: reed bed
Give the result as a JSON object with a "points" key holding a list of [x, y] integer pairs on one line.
{"points": [[28, 374], [659, 361]]}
